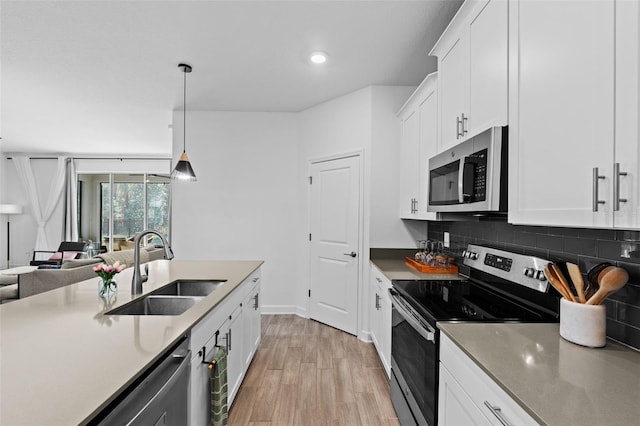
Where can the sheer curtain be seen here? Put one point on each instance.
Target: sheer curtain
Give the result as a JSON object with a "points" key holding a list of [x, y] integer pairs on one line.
{"points": [[71, 202], [25, 173]]}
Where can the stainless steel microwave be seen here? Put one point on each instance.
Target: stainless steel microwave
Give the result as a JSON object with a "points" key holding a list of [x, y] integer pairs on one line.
{"points": [[471, 176]]}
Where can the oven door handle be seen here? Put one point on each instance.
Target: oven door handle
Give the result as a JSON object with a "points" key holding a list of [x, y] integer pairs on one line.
{"points": [[423, 329]]}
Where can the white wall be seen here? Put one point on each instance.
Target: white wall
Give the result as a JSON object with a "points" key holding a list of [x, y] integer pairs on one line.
{"points": [[243, 205]]}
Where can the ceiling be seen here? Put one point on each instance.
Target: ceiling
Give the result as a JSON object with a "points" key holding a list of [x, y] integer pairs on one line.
{"points": [[101, 77]]}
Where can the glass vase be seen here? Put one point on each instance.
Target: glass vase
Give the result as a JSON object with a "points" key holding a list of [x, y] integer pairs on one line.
{"points": [[106, 286]]}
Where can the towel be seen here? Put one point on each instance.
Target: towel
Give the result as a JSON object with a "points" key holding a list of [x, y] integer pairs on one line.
{"points": [[218, 373]]}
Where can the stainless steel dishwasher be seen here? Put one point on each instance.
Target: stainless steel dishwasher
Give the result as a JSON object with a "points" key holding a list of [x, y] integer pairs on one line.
{"points": [[160, 398]]}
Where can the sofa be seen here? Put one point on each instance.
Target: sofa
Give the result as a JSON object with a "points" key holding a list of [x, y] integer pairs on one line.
{"points": [[76, 270]]}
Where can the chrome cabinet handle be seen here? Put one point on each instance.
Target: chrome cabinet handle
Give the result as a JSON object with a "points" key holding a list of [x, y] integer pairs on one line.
{"points": [[616, 187], [255, 303], [229, 341], [458, 125], [497, 411], [377, 302], [596, 179], [352, 254], [463, 122]]}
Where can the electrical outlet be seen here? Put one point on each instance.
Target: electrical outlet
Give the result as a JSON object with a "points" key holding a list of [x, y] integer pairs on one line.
{"points": [[446, 239]]}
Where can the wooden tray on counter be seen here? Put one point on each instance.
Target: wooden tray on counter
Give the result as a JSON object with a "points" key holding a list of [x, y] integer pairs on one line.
{"points": [[428, 269]]}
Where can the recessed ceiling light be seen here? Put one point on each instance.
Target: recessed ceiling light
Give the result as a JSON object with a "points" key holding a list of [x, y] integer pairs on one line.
{"points": [[318, 58]]}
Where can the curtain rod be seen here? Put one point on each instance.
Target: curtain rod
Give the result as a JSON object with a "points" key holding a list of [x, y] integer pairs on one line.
{"points": [[98, 158]]}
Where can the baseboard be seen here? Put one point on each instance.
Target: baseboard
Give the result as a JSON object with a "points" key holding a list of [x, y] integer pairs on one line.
{"points": [[283, 310]]}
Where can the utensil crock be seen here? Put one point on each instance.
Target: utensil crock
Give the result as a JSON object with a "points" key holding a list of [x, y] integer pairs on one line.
{"points": [[585, 325]]}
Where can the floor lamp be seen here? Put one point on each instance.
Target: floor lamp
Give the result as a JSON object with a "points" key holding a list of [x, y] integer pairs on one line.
{"points": [[9, 209]]}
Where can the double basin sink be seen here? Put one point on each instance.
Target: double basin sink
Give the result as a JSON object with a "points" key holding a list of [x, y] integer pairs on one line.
{"points": [[172, 299]]}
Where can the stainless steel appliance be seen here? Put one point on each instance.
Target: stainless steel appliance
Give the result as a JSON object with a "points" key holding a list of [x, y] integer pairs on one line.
{"points": [[159, 398], [498, 286], [471, 176]]}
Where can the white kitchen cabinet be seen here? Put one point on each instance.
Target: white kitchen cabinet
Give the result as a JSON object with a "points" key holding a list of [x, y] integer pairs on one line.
{"points": [[467, 395], [573, 114], [419, 117], [473, 71], [252, 328], [235, 354], [227, 325], [380, 316]]}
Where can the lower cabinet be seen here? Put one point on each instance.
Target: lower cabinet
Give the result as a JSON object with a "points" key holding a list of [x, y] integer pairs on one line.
{"points": [[380, 316], [229, 326], [467, 395]]}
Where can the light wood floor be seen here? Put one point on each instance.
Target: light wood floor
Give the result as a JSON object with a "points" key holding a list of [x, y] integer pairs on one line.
{"points": [[307, 373]]}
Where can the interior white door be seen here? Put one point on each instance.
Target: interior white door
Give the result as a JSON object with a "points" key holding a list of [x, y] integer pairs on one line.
{"points": [[334, 242]]}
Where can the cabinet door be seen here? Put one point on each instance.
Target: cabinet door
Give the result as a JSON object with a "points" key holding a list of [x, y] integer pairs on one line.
{"points": [[199, 384], [235, 356], [561, 112], [428, 144], [409, 148], [452, 74], [385, 329], [455, 407], [627, 126], [252, 324], [488, 67]]}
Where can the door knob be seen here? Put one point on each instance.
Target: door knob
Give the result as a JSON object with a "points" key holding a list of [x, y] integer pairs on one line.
{"points": [[352, 254]]}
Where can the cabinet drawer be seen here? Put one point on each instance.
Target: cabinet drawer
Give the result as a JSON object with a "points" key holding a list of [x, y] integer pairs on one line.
{"points": [[480, 388], [379, 279]]}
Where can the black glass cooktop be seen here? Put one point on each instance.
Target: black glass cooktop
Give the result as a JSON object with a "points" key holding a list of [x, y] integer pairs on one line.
{"points": [[468, 301]]}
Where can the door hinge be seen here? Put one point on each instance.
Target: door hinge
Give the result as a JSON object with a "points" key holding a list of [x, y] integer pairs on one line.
{"points": [[310, 180], [309, 236], [309, 292]]}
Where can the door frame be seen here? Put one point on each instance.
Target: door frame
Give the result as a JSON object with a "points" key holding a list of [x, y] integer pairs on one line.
{"points": [[360, 279]]}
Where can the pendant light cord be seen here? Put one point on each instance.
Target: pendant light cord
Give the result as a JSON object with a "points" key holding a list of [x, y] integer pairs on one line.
{"points": [[184, 115]]}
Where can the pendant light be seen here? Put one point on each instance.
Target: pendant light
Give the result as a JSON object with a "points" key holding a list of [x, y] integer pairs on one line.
{"points": [[183, 170]]}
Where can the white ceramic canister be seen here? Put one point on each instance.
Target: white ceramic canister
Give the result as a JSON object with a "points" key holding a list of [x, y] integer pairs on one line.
{"points": [[582, 324]]}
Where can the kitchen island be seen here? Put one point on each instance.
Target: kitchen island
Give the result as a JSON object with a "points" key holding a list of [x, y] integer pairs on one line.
{"points": [[62, 360], [556, 382]]}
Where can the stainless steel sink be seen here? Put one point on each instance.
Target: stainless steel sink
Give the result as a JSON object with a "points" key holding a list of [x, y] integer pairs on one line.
{"points": [[157, 305], [189, 288]]}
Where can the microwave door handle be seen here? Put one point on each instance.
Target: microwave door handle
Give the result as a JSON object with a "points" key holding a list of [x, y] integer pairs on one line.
{"points": [[461, 180]]}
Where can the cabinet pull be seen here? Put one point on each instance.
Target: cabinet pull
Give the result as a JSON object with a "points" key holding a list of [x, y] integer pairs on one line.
{"points": [[458, 125], [496, 411], [229, 341], [255, 303], [616, 187], [463, 123], [596, 179], [378, 279], [377, 302]]}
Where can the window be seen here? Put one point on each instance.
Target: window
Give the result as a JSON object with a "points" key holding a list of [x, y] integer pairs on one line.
{"points": [[122, 205]]}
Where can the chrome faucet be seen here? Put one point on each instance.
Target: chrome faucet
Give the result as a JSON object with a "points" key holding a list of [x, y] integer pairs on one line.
{"points": [[138, 277]]}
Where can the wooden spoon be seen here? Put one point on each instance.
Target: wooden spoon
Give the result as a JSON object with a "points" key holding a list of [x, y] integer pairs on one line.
{"points": [[576, 277], [611, 281], [560, 277], [555, 282]]}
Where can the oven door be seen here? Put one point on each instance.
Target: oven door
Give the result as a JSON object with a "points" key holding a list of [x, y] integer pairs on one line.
{"points": [[414, 362]]}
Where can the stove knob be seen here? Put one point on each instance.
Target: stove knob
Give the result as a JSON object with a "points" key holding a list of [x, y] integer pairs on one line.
{"points": [[529, 272], [474, 256], [540, 275]]}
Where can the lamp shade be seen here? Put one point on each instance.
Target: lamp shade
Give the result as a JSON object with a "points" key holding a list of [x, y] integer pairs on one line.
{"points": [[10, 209]]}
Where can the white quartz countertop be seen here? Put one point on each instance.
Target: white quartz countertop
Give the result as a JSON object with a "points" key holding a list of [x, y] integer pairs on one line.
{"points": [[62, 360], [555, 381]]}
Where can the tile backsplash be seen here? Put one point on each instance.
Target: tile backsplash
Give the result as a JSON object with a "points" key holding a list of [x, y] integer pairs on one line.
{"points": [[585, 247]]}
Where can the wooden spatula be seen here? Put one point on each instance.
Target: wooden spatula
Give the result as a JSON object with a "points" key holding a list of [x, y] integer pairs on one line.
{"points": [[578, 282]]}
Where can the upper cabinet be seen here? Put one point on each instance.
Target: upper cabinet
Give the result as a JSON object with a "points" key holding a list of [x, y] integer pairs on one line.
{"points": [[573, 119], [419, 117], [473, 71]]}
